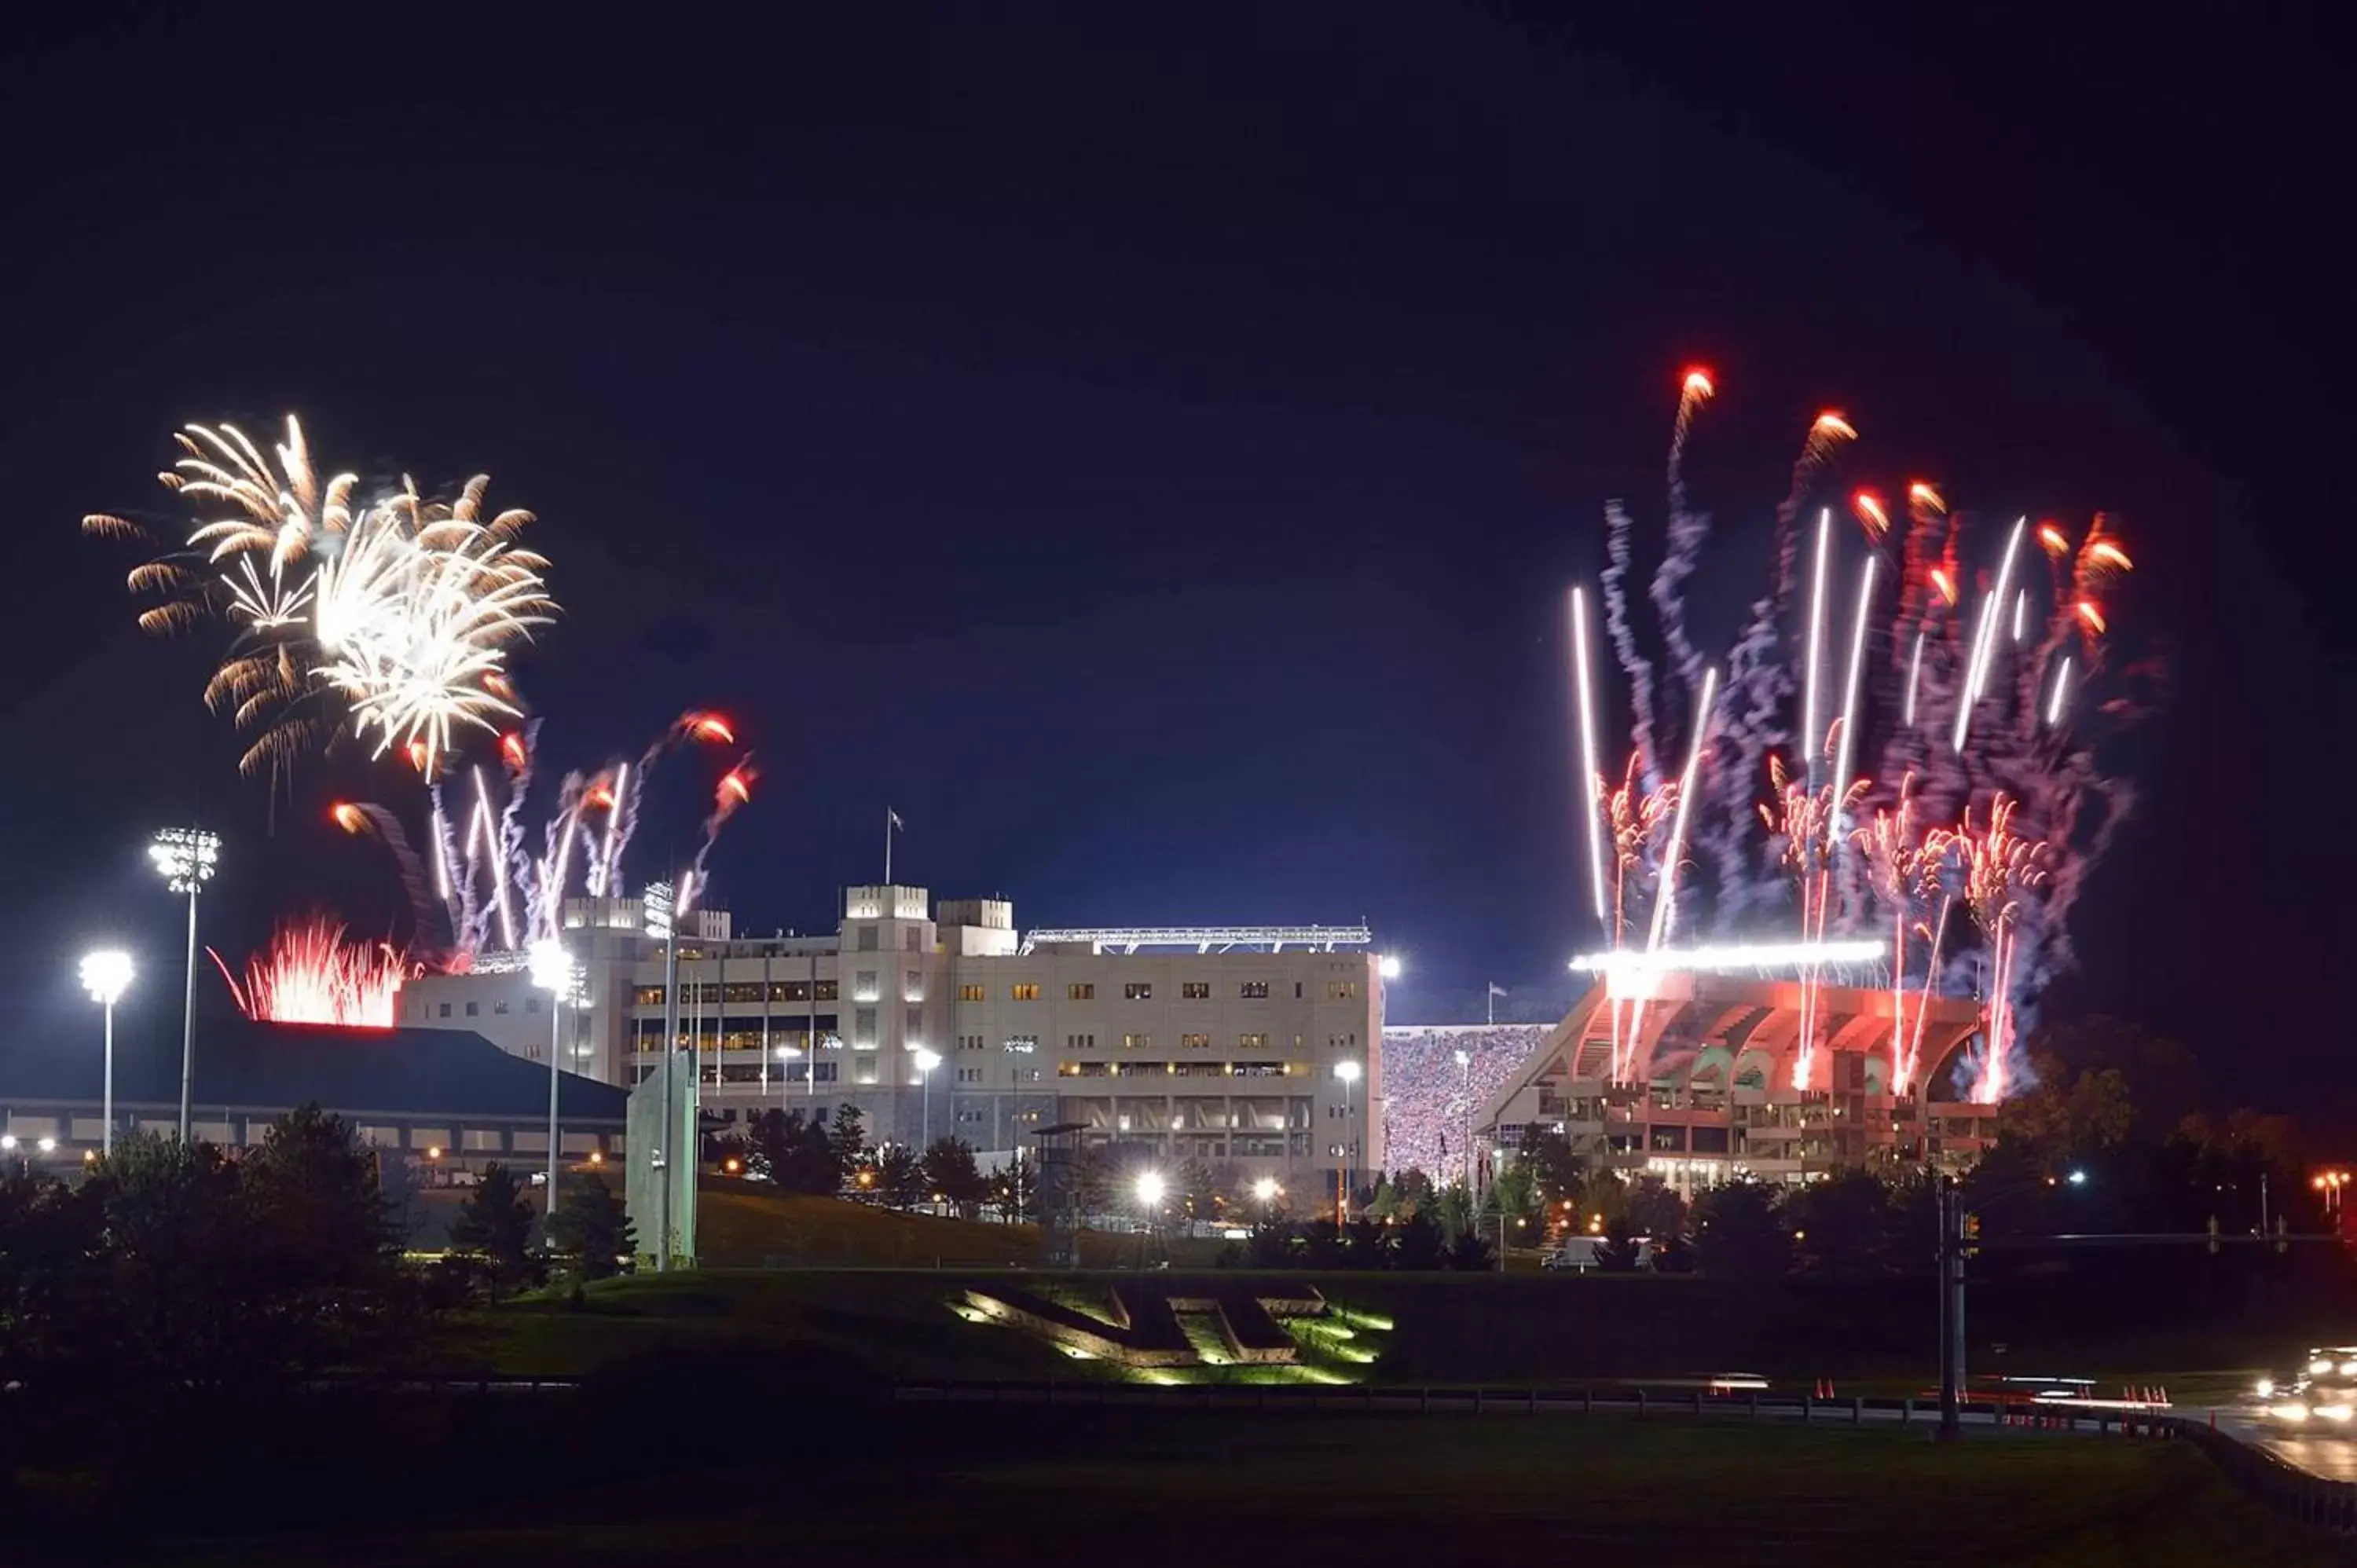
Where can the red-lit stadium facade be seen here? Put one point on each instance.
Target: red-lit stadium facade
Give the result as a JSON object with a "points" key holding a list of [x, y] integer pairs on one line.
{"points": [[1711, 1098]]}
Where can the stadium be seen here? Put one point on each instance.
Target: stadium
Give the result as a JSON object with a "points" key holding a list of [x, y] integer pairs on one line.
{"points": [[1710, 1098]]}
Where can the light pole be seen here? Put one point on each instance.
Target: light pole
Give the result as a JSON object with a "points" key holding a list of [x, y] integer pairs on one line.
{"points": [[1465, 1093], [1348, 1072], [553, 971], [926, 1062], [105, 974], [1150, 1191], [187, 858], [1266, 1192]]}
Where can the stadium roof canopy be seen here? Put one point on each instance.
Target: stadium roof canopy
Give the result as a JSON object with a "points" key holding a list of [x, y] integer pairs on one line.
{"points": [[247, 1066]]}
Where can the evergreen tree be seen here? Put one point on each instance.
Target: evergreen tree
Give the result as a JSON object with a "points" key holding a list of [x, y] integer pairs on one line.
{"points": [[494, 1226], [593, 1228]]}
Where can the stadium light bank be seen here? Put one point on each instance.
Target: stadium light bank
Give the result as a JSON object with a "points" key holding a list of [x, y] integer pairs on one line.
{"points": [[1623, 963]]}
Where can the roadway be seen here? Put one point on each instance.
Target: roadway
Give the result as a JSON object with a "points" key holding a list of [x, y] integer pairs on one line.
{"points": [[2328, 1452]]}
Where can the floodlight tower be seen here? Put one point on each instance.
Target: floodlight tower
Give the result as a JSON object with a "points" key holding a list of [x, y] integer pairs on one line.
{"points": [[105, 974], [187, 858]]}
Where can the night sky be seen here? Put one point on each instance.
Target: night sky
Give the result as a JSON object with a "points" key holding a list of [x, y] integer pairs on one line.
{"points": [[1147, 446]]}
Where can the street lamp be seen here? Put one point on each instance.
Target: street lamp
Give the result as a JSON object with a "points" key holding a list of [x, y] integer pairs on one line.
{"points": [[1151, 1188], [105, 974], [186, 858], [1266, 1192], [1348, 1072], [553, 971], [1388, 967], [926, 1062]]}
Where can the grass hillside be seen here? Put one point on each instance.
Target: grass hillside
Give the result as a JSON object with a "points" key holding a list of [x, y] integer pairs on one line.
{"points": [[1180, 1487]]}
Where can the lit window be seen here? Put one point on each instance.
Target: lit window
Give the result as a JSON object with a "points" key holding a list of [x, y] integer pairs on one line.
{"points": [[1137, 1042], [969, 992], [1138, 990], [1341, 990], [1252, 1042], [648, 996], [912, 986], [1255, 991], [864, 988], [1195, 990], [1026, 992], [1081, 991], [1195, 1042]]}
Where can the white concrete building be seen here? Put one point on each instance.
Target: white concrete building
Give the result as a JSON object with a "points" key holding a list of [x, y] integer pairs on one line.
{"points": [[1228, 1045]]}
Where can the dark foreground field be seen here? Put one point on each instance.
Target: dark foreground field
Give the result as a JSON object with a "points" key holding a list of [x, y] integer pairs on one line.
{"points": [[1186, 1488]]}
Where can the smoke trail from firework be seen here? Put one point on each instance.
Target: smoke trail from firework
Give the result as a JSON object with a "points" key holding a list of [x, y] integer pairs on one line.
{"points": [[1639, 669], [1592, 783], [358, 816], [309, 975], [1763, 681], [1687, 532]]}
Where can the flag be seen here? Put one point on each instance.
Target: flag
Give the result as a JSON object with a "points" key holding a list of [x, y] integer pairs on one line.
{"points": [[1496, 989], [895, 818]]}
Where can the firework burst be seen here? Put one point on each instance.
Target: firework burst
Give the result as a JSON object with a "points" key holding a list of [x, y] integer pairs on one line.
{"points": [[1967, 678], [403, 607], [310, 974]]}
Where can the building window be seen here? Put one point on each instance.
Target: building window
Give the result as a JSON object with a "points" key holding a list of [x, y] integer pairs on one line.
{"points": [[1341, 990], [908, 939], [1080, 1042], [969, 992], [866, 939], [863, 987], [1138, 990], [969, 1042], [1081, 991], [1195, 1042], [1195, 990], [912, 986], [1027, 991], [1137, 1042], [648, 996], [474, 1008], [913, 1023], [532, 1004], [1255, 991], [446, 1011], [1252, 1042], [1297, 990], [1021, 1045], [862, 1028], [826, 991], [1343, 1042], [967, 1075]]}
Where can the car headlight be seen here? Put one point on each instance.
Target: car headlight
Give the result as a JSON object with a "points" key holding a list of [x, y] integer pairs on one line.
{"points": [[2265, 1387], [2288, 1411], [2349, 1369], [2335, 1412], [2321, 1364]]}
